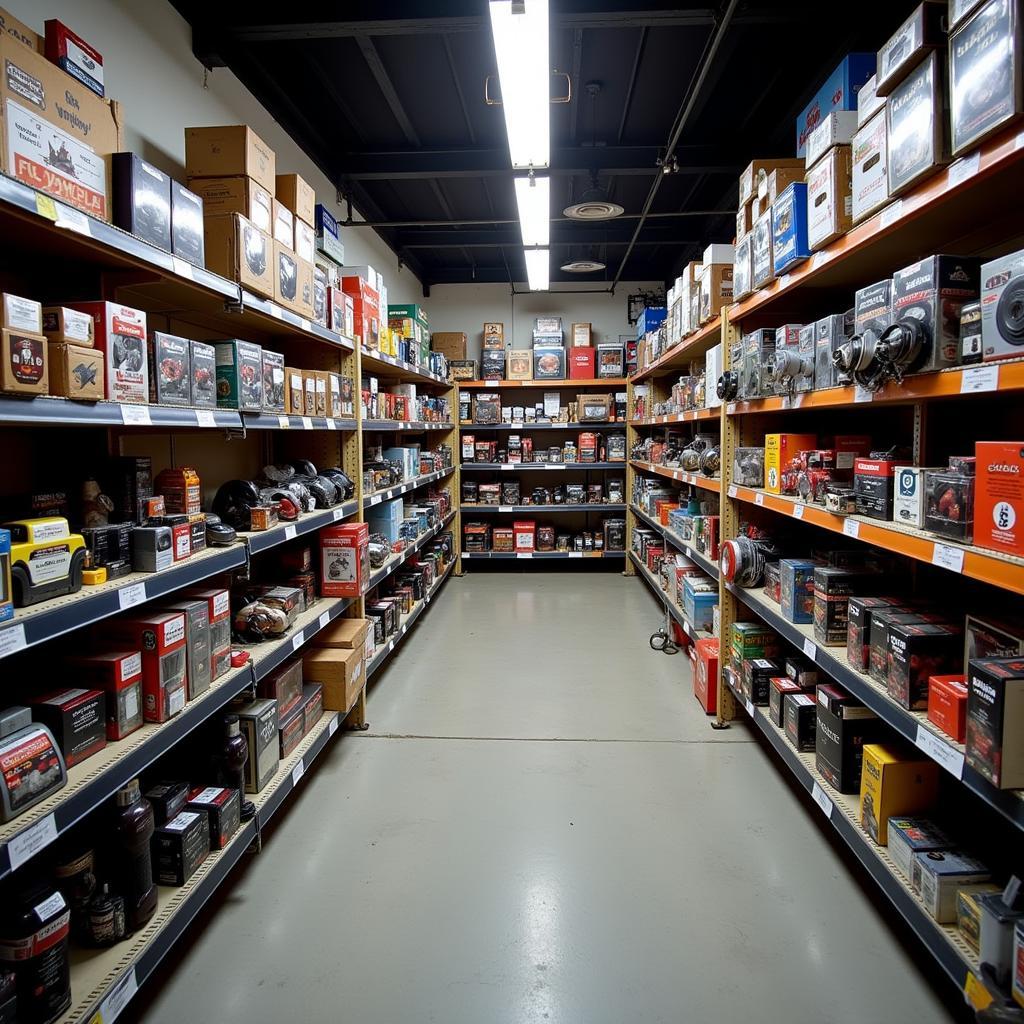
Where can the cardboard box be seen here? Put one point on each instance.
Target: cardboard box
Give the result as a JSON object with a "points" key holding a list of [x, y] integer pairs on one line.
{"points": [[520, 364], [119, 675], [224, 196], [293, 280], [227, 151], [999, 496], [305, 243], [742, 269], [844, 726], [339, 671], [799, 715], [762, 258], [715, 290], [161, 638], [922, 32], [17, 30], [830, 197], [297, 195], [917, 126], [907, 837], [67, 326], [169, 368], [23, 363], [239, 251], [197, 643], [869, 153], [344, 560], [779, 449], [789, 228], [120, 333], [837, 92], [938, 877], [835, 129], [893, 782], [345, 633], [142, 199], [75, 372], [258, 723], [995, 720], [180, 846], [916, 651], [365, 310], [309, 392], [771, 185], [581, 335], [947, 705], [759, 169], [77, 719], [283, 221]]}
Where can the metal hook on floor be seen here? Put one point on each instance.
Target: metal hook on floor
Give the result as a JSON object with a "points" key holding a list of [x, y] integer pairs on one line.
{"points": [[661, 641]]}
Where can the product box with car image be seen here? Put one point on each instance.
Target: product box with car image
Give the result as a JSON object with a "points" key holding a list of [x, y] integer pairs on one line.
{"points": [[75, 372], [142, 199], [258, 723], [170, 374], [120, 333], [239, 375], [240, 251], [180, 846], [203, 375], [844, 726], [894, 781]]}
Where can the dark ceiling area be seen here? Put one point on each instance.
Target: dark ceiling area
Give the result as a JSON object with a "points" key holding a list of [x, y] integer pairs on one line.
{"points": [[388, 99]]}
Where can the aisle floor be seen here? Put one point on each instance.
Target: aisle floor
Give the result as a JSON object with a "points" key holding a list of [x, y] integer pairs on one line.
{"points": [[541, 826]]}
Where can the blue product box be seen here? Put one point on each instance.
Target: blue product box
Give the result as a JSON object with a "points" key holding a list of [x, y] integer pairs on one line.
{"points": [[328, 239], [698, 606], [797, 582], [838, 92], [650, 320], [789, 228], [386, 518], [6, 597], [409, 459]]}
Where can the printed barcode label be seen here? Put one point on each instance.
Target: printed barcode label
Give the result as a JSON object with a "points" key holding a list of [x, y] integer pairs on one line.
{"points": [[205, 418], [129, 597], [276, 311], [524, 554], [73, 220], [304, 323], [822, 800], [296, 641], [809, 649], [333, 727], [749, 705], [325, 618], [505, 508], [979, 379], [851, 527], [331, 424], [119, 997], [940, 751], [862, 394], [182, 267], [731, 409], [798, 511], [575, 554], [284, 422], [338, 513], [732, 491], [289, 533]]}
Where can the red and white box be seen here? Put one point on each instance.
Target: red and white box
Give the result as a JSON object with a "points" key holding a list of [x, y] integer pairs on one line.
{"points": [[524, 535], [581, 364], [345, 560], [120, 332], [947, 705], [705, 679], [999, 496], [119, 675], [71, 53], [219, 603], [366, 311]]}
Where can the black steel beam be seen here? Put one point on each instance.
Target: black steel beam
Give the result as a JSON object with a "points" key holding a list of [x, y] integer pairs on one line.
{"points": [[637, 57], [564, 234], [381, 225]]}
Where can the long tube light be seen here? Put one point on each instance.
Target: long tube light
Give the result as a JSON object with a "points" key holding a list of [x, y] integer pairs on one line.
{"points": [[538, 269], [524, 69], [533, 197]]}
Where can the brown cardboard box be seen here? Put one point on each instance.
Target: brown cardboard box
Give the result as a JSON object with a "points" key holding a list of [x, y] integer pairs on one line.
{"points": [[758, 168], [520, 364], [239, 251], [581, 335], [309, 392], [224, 151], [76, 372], [321, 393], [284, 224], [297, 194], [33, 94], [338, 671], [830, 197], [715, 290], [494, 335], [10, 26], [347, 634], [777, 180], [246, 196], [293, 281], [451, 344], [23, 363], [744, 219], [68, 326], [294, 392]]}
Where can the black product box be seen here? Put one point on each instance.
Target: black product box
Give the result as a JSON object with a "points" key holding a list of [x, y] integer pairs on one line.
{"points": [[203, 362], [187, 238], [844, 725], [916, 124], [995, 720], [923, 31], [832, 590], [142, 199], [180, 846], [927, 298], [858, 627], [131, 486], [782, 687], [985, 73], [510, 494], [802, 671], [549, 362], [258, 721], [873, 487], [470, 492], [878, 644], [800, 717], [170, 372], [78, 720], [757, 676], [273, 381], [291, 729], [915, 651], [197, 530], [197, 643], [222, 808], [107, 544], [492, 364], [320, 295], [313, 696], [872, 310], [168, 800], [829, 334]]}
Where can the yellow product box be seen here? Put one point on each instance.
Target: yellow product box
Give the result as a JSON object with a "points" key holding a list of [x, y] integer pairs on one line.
{"points": [[968, 913], [894, 782], [779, 449]]}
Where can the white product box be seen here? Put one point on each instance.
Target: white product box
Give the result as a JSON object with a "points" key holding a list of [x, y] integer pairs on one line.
{"points": [[868, 102], [908, 495], [836, 129], [719, 252], [712, 371], [870, 155]]}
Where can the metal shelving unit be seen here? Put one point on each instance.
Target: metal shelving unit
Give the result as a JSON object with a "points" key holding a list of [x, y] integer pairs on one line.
{"points": [[670, 605], [403, 488], [399, 559], [710, 567], [482, 428], [542, 555], [541, 466], [544, 509]]}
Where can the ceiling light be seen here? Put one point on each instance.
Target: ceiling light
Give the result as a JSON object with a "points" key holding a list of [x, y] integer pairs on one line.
{"points": [[594, 205], [583, 266], [538, 272], [533, 197], [524, 70]]}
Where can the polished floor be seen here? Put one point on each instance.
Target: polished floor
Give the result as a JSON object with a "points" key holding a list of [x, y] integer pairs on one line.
{"points": [[541, 826]]}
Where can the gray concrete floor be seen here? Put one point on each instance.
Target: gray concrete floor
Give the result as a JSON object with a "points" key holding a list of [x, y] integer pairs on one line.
{"points": [[541, 826]]}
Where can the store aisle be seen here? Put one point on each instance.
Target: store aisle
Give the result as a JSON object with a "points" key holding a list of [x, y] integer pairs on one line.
{"points": [[541, 827]]}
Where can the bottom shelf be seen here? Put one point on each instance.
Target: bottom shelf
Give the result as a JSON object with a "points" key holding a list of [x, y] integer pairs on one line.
{"points": [[673, 609], [842, 811], [103, 981], [543, 554]]}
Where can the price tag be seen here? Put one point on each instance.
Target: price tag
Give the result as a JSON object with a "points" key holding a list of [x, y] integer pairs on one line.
{"points": [[963, 169], [27, 844], [119, 997], [818, 259], [325, 618], [822, 800], [12, 639], [733, 491], [135, 416], [553, 465], [289, 533], [129, 597], [798, 511], [979, 379], [297, 772], [276, 311], [1018, 143], [517, 426], [810, 649], [940, 751], [307, 423], [284, 422], [338, 513], [331, 425], [758, 498], [205, 418], [947, 557], [182, 267], [507, 466], [391, 645], [851, 527], [862, 394], [575, 554], [46, 207], [376, 499], [749, 705], [524, 554], [891, 214], [297, 641], [784, 281], [73, 220], [731, 409], [333, 727], [304, 324], [975, 992], [506, 508]]}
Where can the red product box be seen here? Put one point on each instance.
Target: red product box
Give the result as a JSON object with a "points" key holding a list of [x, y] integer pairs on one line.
{"points": [[947, 705], [119, 675], [581, 364], [120, 333], [999, 496], [705, 679], [76, 717], [219, 602], [71, 53], [345, 560], [365, 310], [524, 533], [223, 809], [161, 639]]}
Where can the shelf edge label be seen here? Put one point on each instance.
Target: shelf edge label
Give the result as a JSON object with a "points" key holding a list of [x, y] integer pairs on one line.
{"points": [[749, 705], [118, 998], [290, 533], [810, 649], [12, 639], [851, 527], [940, 751], [333, 727], [759, 498], [135, 415], [297, 772], [297, 641], [325, 617], [948, 557], [129, 597], [205, 418], [27, 844], [979, 379], [821, 798]]}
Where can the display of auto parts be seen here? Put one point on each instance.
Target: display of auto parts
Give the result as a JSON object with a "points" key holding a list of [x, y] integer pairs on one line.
{"points": [[379, 549], [341, 480], [287, 504], [710, 460], [234, 501], [728, 386], [748, 467], [255, 621], [901, 347], [815, 473], [743, 559], [218, 533], [788, 366], [855, 361]]}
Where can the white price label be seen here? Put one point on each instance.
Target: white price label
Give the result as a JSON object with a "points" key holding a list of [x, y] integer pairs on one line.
{"points": [[12, 639], [307, 423], [27, 844], [517, 426], [506, 508], [333, 727], [940, 751], [553, 465], [289, 533], [759, 498], [129, 597], [205, 418], [391, 645], [810, 649], [818, 259], [979, 379], [963, 169], [892, 213], [784, 281], [182, 267], [798, 511], [338, 513], [749, 705], [331, 424], [376, 499], [524, 554], [284, 422], [862, 394], [1018, 143], [304, 323], [73, 220], [730, 409], [947, 557], [822, 800], [297, 772], [325, 617], [297, 641], [575, 554], [136, 416], [276, 311], [851, 527], [506, 466], [733, 491], [119, 997]]}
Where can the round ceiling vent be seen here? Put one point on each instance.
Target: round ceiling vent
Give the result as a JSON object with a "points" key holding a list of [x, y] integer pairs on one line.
{"points": [[594, 207], [583, 266]]}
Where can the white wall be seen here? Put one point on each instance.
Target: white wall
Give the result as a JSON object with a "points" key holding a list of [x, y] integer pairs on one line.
{"points": [[466, 307], [149, 66]]}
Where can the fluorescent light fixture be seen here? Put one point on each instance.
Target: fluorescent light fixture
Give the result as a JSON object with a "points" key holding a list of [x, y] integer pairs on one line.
{"points": [[538, 272], [524, 69], [533, 197]]}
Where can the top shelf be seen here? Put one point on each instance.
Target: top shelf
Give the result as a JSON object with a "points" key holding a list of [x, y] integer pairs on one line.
{"points": [[391, 366], [960, 210], [605, 382], [679, 355]]}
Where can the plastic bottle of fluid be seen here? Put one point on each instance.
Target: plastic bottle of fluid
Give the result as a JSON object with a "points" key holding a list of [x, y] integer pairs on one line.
{"points": [[133, 832]]}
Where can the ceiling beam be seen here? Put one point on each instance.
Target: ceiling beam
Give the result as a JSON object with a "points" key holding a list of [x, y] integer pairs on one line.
{"points": [[553, 244], [637, 57], [384, 225], [564, 233]]}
